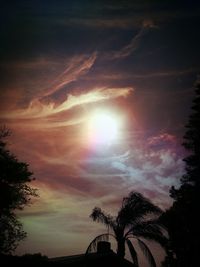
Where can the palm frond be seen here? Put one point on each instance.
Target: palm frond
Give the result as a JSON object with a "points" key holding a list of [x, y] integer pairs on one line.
{"points": [[147, 253], [93, 245], [135, 207], [150, 230], [160, 239], [132, 252], [100, 216], [150, 226]]}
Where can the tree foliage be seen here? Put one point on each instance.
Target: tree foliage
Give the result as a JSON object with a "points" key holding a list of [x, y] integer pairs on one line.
{"points": [[136, 219], [15, 194], [182, 218]]}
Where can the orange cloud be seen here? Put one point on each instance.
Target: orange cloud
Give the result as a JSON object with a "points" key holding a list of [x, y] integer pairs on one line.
{"points": [[39, 110]]}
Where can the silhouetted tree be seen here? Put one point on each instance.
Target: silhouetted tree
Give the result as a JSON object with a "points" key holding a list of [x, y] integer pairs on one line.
{"points": [[182, 218], [15, 193], [30, 260], [137, 218]]}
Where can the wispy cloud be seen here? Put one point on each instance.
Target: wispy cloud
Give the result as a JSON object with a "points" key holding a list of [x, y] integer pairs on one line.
{"points": [[77, 67], [151, 169], [121, 23], [38, 110], [37, 79], [135, 75], [128, 49], [43, 108]]}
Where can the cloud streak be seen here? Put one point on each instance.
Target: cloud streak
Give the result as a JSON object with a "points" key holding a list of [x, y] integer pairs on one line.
{"points": [[78, 66], [39, 110], [128, 49]]}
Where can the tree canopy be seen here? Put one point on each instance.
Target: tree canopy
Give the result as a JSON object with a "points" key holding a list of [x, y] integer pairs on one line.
{"points": [[182, 218], [15, 194]]}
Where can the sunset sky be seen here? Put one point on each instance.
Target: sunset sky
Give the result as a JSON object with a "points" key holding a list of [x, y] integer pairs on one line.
{"points": [[96, 94]]}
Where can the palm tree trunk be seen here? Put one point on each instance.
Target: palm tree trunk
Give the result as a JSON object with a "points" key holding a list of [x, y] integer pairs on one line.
{"points": [[121, 248]]}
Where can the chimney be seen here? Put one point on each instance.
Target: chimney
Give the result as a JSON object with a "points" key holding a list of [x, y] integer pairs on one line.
{"points": [[103, 247]]}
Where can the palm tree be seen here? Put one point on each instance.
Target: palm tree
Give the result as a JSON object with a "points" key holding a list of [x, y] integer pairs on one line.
{"points": [[136, 219]]}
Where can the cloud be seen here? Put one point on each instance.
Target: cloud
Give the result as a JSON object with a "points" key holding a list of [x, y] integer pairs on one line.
{"points": [[128, 49], [34, 63], [102, 22], [52, 83], [61, 217], [39, 110], [162, 140], [78, 66], [38, 79], [133, 75], [150, 169], [43, 110], [72, 182]]}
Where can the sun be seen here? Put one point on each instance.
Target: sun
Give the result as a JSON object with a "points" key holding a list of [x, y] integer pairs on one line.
{"points": [[103, 127]]}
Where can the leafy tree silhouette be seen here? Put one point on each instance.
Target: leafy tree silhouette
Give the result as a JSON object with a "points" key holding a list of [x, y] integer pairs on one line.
{"points": [[15, 193], [137, 218], [182, 218]]}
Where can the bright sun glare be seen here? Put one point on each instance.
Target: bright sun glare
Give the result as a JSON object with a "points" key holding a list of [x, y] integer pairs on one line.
{"points": [[103, 128]]}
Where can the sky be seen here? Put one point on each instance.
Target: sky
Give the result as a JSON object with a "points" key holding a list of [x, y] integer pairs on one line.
{"points": [[96, 94]]}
